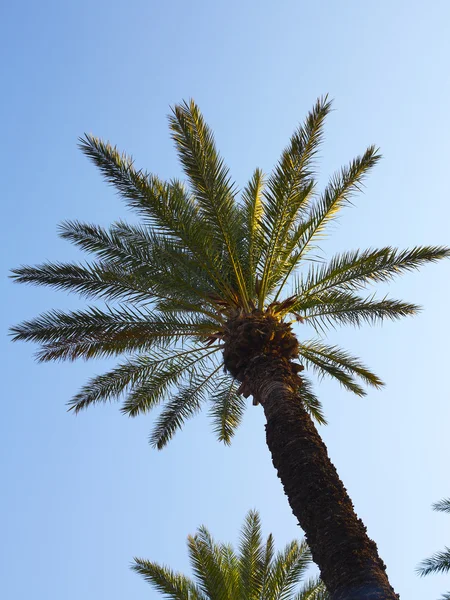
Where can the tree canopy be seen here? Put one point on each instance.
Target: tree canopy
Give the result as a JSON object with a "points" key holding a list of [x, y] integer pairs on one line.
{"points": [[201, 254]]}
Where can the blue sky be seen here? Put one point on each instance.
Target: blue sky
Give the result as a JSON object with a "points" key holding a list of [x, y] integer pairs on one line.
{"points": [[82, 495]]}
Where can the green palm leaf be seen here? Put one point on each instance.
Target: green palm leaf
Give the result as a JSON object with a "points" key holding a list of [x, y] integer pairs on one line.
{"points": [[108, 244], [438, 563], [267, 561], [184, 405], [167, 582], [331, 308], [289, 190], [165, 206], [251, 554], [337, 194], [209, 565], [288, 567], [100, 280], [442, 506], [231, 570], [211, 184], [313, 590], [94, 332], [155, 388], [253, 573], [146, 377], [253, 217], [227, 409], [168, 276], [311, 402], [354, 270], [323, 356]]}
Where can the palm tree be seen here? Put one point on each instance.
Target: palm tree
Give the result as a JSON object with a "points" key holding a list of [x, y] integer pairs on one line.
{"points": [[440, 561], [221, 573], [198, 304]]}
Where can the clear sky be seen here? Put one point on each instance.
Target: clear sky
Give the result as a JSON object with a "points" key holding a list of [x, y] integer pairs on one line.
{"points": [[82, 495]]}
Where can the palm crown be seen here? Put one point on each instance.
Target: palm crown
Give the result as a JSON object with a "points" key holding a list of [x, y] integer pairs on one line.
{"points": [[254, 572], [201, 257]]}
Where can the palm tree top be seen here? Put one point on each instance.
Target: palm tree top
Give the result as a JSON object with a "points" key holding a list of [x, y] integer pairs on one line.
{"points": [[254, 571], [204, 261]]}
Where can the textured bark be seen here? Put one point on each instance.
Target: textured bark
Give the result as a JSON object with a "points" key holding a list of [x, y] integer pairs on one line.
{"points": [[348, 559]]}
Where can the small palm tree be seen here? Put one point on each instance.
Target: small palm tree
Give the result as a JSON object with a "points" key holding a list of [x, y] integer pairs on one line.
{"points": [[255, 572], [198, 303], [440, 561]]}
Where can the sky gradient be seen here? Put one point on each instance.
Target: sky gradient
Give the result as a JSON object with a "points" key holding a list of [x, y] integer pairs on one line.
{"points": [[82, 495]]}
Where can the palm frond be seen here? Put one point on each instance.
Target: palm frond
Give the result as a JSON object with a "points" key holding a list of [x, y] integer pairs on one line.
{"points": [[253, 211], [289, 189], [318, 353], [166, 206], [108, 244], [331, 308], [153, 368], [314, 589], [157, 257], [130, 256], [153, 390], [268, 557], [440, 561], [287, 570], [157, 265], [211, 183], [172, 281], [184, 405], [95, 332], [442, 506], [209, 566], [355, 270], [324, 367], [251, 555], [98, 280], [337, 194], [437, 563], [311, 402], [173, 270], [205, 169], [179, 276], [170, 584], [227, 409], [231, 570]]}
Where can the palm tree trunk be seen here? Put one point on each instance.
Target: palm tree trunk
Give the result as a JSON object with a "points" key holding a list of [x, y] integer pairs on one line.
{"points": [[348, 559]]}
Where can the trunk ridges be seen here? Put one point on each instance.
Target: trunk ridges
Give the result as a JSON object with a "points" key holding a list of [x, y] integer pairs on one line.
{"points": [[251, 336], [348, 559]]}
